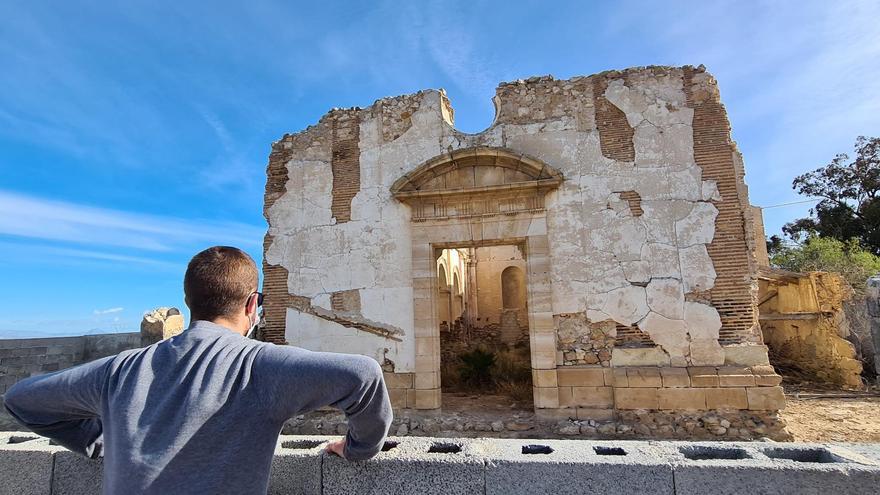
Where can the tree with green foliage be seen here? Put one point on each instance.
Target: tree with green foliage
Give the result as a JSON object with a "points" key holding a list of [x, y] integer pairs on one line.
{"points": [[850, 198], [827, 254]]}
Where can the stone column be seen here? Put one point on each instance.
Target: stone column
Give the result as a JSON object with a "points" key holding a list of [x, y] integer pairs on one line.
{"points": [[471, 288]]}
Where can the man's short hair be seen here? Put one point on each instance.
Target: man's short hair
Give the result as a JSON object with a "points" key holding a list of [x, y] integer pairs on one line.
{"points": [[218, 282]]}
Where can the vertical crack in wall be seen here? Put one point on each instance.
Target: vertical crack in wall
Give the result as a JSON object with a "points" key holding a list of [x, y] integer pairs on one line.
{"points": [[733, 292], [615, 133], [345, 163]]}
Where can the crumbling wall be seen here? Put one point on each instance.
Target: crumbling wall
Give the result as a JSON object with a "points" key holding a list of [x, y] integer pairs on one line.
{"points": [[648, 237], [805, 325]]}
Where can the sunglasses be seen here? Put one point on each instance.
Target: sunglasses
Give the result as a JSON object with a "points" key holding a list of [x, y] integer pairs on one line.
{"points": [[259, 298]]}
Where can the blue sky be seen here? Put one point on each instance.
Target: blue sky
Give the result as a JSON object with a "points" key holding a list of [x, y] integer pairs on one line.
{"points": [[133, 134]]}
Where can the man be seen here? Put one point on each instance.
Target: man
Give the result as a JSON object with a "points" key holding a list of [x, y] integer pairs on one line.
{"points": [[201, 412]]}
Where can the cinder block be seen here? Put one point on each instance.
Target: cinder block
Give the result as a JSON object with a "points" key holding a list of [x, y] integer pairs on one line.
{"points": [[580, 377], [296, 467], [75, 474], [25, 464], [726, 398], [636, 398], [766, 398], [675, 377], [772, 469], [516, 467], [416, 465], [600, 397], [644, 377], [682, 398]]}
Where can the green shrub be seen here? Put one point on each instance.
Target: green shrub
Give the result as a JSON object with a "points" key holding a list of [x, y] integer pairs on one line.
{"points": [[476, 367], [827, 254]]}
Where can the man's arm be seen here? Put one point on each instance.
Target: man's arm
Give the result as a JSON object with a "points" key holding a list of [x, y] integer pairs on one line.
{"points": [[64, 406], [301, 381]]}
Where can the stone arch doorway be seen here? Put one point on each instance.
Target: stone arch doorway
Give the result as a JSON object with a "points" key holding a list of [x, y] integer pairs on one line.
{"points": [[471, 198]]}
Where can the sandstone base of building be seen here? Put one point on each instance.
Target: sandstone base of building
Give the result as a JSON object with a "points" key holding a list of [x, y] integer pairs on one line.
{"points": [[586, 391], [730, 402]]}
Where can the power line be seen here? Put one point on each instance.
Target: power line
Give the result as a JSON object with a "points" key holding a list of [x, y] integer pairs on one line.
{"points": [[792, 203]]}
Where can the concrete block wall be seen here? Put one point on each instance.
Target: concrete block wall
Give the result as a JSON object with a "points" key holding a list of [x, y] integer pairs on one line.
{"points": [[410, 465], [21, 358]]}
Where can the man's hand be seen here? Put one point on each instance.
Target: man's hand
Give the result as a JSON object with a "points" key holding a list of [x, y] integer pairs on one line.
{"points": [[336, 447]]}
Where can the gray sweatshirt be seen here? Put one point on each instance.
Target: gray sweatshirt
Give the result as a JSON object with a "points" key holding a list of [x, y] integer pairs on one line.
{"points": [[200, 412]]}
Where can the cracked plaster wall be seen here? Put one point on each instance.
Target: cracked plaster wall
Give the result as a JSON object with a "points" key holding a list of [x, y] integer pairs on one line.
{"points": [[646, 269]]}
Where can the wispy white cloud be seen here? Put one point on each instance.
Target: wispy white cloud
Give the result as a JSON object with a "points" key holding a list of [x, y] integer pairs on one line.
{"points": [[107, 311], [45, 219]]}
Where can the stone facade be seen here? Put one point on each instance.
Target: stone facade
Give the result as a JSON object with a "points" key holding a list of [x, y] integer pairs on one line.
{"points": [[624, 192]]}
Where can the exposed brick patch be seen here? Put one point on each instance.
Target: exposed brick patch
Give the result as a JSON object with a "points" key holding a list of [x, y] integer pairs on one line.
{"points": [[346, 300], [733, 294], [615, 133], [275, 302], [632, 336], [634, 200], [345, 163], [275, 276]]}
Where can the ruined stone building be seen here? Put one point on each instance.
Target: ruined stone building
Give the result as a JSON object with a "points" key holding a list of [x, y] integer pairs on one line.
{"points": [[602, 222]]}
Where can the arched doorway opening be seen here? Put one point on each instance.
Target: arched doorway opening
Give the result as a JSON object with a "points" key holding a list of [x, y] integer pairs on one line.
{"points": [[467, 201]]}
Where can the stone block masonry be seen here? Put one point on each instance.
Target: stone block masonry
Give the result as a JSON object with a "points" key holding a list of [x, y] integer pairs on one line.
{"points": [[409, 465], [624, 191], [21, 358]]}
